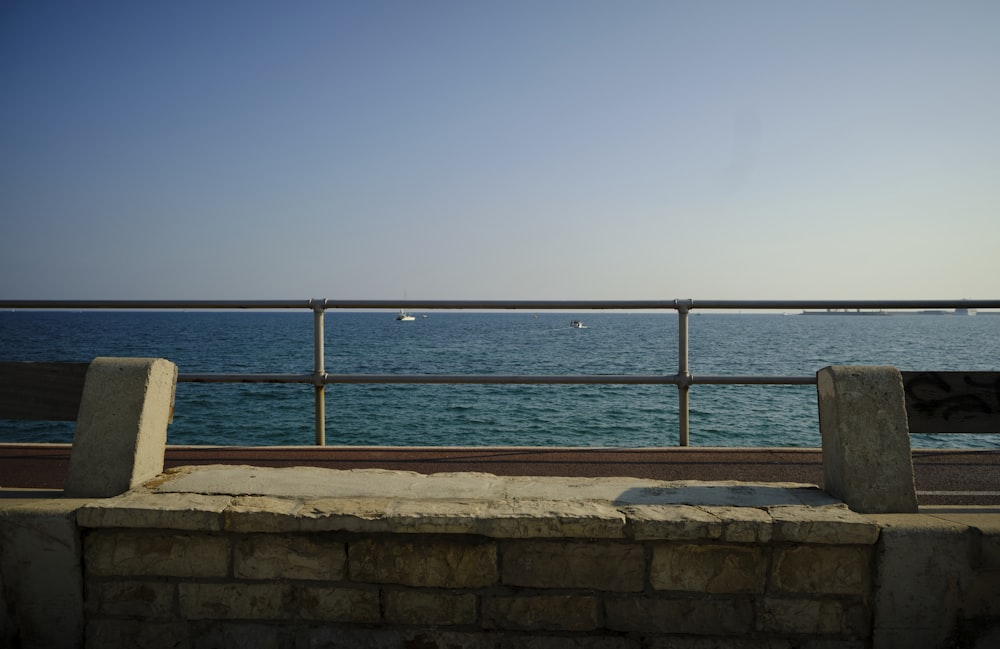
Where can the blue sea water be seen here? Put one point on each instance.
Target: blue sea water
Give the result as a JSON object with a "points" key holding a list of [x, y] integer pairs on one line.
{"points": [[498, 343]]}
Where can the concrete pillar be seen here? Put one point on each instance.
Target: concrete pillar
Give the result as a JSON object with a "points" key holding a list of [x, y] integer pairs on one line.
{"points": [[121, 430], [866, 443], [40, 574], [925, 570]]}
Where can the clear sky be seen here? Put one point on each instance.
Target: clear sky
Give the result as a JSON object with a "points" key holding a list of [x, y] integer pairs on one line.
{"points": [[543, 149]]}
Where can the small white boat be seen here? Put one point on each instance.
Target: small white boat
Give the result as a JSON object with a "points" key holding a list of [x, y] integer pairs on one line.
{"points": [[404, 316], [577, 324]]}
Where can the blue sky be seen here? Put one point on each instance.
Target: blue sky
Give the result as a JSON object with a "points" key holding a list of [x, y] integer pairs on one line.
{"points": [[552, 149]]}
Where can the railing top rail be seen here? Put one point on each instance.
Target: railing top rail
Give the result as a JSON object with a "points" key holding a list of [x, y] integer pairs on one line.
{"points": [[535, 379], [155, 304], [845, 304], [536, 305]]}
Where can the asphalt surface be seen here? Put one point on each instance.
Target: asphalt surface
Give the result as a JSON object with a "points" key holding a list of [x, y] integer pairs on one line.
{"points": [[943, 477]]}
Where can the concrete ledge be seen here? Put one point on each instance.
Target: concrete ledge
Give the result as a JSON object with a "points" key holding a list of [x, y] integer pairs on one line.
{"points": [[304, 499]]}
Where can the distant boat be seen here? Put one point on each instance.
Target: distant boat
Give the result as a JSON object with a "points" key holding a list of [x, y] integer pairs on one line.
{"points": [[577, 324], [404, 316]]}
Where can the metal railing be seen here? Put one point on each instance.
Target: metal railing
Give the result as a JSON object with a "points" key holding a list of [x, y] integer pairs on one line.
{"points": [[683, 378]]}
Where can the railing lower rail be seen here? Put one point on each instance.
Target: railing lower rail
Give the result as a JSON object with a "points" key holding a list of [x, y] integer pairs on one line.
{"points": [[683, 379]]}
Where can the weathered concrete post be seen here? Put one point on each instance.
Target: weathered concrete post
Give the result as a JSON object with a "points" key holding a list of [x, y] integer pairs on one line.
{"points": [[40, 574], [121, 430], [866, 443]]}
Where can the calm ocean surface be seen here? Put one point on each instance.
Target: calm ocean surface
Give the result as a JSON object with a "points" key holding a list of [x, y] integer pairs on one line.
{"points": [[499, 343]]}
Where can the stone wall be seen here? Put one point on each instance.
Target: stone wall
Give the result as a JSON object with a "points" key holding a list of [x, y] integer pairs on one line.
{"points": [[164, 589], [319, 558], [252, 557]]}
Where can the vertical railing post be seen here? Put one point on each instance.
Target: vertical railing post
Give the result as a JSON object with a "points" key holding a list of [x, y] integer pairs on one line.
{"points": [[683, 373], [319, 370]]}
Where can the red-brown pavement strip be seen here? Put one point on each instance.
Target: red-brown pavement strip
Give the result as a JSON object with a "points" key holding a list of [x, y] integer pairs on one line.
{"points": [[44, 466], [659, 464]]}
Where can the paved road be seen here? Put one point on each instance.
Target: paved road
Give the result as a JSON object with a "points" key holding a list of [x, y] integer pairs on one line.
{"points": [[942, 477]]}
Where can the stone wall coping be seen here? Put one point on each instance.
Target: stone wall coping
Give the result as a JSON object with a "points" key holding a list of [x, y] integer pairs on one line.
{"points": [[308, 499], [985, 519], [38, 504]]}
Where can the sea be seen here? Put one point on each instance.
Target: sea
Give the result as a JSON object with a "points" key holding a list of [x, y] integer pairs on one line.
{"points": [[505, 343]]}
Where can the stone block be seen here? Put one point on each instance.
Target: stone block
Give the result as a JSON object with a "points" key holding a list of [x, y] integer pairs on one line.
{"points": [[675, 522], [137, 634], [541, 612], [439, 639], [144, 553], [743, 524], [121, 430], [433, 563], [815, 617], [703, 642], [336, 514], [344, 637], [241, 635], [148, 600], [817, 569], [427, 516], [833, 643], [335, 604], [866, 442], [714, 617], [551, 564], [500, 518], [434, 608], [141, 509], [248, 514], [712, 569], [267, 556], [511, 518], [826, 525], [540, 641], [234, 601]]}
